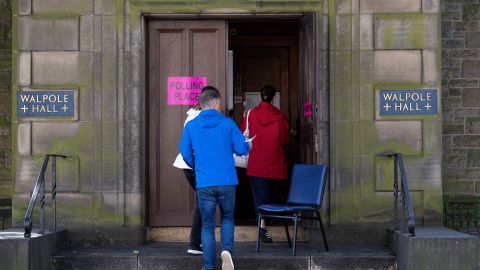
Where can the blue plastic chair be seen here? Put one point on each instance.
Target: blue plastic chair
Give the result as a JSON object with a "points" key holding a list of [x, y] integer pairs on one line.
{"points": [[306, 194]]}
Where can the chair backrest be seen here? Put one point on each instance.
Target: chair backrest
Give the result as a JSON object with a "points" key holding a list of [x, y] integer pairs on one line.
{"points": [[307, 184]]}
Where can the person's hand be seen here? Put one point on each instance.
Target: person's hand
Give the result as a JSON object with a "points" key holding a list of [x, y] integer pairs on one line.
{"points": [[251, 145], [244, 113]]}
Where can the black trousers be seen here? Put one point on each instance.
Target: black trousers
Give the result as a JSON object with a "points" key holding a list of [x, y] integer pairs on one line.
{"points": [[196, 231]]}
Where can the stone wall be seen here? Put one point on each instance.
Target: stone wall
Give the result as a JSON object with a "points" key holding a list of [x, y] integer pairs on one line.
{"points": [[5, 114], [461, 97]]}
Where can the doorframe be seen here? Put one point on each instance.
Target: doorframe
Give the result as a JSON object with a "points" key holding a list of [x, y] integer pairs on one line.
{"points": [[135, 84]]}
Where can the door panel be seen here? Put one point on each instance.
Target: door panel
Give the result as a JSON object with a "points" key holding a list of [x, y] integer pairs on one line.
{"points": [[176, 49], [309, 84]]}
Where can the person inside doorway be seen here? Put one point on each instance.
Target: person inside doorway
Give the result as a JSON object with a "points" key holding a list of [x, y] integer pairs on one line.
{"points": [[195, 245], [207, 145], [266, 162]]}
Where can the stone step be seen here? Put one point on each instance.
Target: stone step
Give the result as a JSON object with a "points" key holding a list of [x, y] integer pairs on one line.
{"points": [[242, 233], [173, 255]]}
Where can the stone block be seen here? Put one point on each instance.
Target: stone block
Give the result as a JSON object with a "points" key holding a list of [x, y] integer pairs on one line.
{"points": [[343, 7], [466, 26], [109, 7], [109, 34], [470, 12], [403, 134], [435, 248], [81, 7], [466, 141], [453, 43], [471, 96], [473, 158], [447, 29], [26, 174], [431, 6], [423, 172], [431, 67], [24, 68], [109, 207], [109, 103], [52, 34], [67, 138], [472, 125], [24, 7], [472, 40], [431, 145], [398, 65], [75, 210], [62, 68], [24, 139], [109, 69], [406, 31], [29, 253], [86, 33], [390, 6], [343, 34], [110, 180], [85, 104], [455, 160], [366, 32]]}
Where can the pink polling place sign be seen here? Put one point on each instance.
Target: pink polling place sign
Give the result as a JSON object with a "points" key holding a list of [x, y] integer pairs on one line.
{"points": [[308, 109], [185, 90]]}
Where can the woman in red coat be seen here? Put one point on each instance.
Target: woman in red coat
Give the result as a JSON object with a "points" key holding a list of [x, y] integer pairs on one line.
{"points": [[266, 162]]}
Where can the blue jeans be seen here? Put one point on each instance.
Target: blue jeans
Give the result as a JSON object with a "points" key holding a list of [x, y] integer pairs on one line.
{"points": [[208, 198]]}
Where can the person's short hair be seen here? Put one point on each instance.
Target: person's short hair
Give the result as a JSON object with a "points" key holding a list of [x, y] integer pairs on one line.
{"points": [[208, 96], [267, 93]]}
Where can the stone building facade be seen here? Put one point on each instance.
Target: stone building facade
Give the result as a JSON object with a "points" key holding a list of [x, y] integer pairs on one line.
{"points": [[461, 99], [97, 49], [5, 114]]}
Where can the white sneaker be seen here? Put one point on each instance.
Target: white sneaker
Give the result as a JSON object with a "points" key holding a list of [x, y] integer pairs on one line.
{"points": [[227, 263]]}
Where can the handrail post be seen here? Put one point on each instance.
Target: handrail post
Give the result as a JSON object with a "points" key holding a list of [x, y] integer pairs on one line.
{"points": [[54, 193], [395, 193]]}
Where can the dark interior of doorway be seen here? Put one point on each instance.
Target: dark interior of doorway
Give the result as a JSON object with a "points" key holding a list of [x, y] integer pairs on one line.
{"points": [[252, 42]]}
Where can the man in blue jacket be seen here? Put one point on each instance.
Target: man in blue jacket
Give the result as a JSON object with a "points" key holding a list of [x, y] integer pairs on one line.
{"points": [[207, 146]]}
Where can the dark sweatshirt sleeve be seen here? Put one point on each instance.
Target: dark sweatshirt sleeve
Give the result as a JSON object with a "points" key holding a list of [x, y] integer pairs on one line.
{"points": [[186, 148]]}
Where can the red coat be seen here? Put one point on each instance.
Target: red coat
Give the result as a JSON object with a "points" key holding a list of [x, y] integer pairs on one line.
{"points": [[267, 159]]}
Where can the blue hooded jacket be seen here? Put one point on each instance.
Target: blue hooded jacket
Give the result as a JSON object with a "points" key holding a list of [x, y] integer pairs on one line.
{"points": [[207, 146]]}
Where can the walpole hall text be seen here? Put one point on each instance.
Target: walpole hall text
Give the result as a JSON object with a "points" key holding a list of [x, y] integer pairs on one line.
{"points": [[45, 103], [410, 102]]}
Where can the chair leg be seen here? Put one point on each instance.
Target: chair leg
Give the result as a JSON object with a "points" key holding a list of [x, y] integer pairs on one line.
{"points": [[288, 234], [295, 234], [258, 230], [323, 231]]}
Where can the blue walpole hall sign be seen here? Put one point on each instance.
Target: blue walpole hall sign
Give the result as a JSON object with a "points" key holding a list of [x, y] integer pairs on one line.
{"points": [[408, 102], [45, 103]]}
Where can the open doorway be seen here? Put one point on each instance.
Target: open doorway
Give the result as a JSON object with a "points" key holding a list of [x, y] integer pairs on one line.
{"points": [[263, 53], [276, 52]]}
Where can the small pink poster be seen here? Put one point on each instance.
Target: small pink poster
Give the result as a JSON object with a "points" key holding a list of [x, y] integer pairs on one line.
{"points": [[185, 90], [308, 109]]}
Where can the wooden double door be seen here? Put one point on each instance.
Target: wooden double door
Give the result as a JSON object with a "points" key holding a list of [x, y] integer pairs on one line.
{"points": [[264, 52]]}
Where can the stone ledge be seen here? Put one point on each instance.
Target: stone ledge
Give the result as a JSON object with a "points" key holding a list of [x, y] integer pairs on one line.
{"points": [[435, 248], [19, 252]]}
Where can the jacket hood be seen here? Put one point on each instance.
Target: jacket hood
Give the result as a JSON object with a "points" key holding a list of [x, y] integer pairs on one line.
{"points": [[193, 112], [209, 118], [266, 113]]}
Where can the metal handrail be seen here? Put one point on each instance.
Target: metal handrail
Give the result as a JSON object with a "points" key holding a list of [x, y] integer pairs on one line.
{"points": [[404, 198], [40, 184]]}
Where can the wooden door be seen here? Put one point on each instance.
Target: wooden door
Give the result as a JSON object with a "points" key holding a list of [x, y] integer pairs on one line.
{"points": [[176, 48], [309, 86], [259, 67]]}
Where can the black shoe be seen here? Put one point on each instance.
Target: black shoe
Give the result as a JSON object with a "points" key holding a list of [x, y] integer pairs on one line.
{"points": [[264, 236], [195, 249]]}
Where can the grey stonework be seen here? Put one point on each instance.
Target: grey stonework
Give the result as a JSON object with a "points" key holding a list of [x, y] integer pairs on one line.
{"points": [[6, 189], [461, 97]]}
